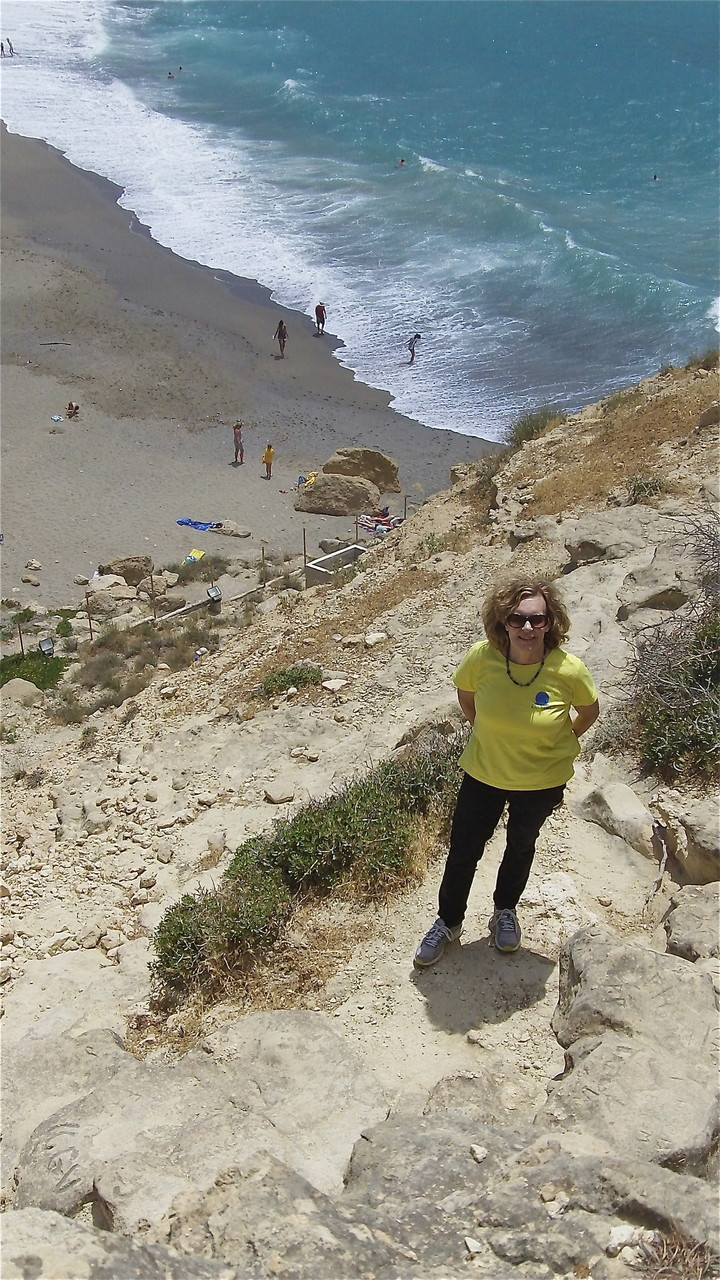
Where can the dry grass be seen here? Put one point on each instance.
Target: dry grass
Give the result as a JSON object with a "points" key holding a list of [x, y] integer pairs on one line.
{"points": [[675, 1257], [312, 947], [597, 457]]}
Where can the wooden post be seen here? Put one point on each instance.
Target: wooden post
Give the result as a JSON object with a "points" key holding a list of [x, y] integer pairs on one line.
{"points": [[356, 529], [152, 596], [262, 565], [87, 606], [304, 548], [22, 646], [405, 508]]}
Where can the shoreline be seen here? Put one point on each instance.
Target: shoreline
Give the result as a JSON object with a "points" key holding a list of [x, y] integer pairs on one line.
{"points": [[163, 355]]}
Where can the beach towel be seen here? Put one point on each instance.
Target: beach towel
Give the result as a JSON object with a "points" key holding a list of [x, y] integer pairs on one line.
{"points": [[203, 525], [194, 556]]}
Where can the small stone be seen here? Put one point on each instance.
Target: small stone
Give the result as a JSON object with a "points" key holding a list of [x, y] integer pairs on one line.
{"points": [[151, 797], [334, 686], [80, 580], [164, 853], [475, 1037], [278, 794], [30, 580], [350, 642], [297, 752], [478, 1153], [33, 564], [373, 638], [312, 755], [473, 1247], [4, 891], [605, 902], [5, 971], [148, 880]]}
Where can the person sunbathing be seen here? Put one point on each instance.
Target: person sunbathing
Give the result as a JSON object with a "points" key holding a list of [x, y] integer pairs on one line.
{"points": [[72, 410]]}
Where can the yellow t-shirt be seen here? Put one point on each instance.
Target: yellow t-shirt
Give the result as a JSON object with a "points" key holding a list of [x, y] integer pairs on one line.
{"points": [[268, 455], [522, 738]]}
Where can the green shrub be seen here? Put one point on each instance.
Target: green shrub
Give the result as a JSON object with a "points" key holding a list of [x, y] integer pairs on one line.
{"points": [[363, 835], [63, 629], [676, 702], [640, 487], [303, 673], [24, 615], [204, 937], [40, 671], [534, 424]]}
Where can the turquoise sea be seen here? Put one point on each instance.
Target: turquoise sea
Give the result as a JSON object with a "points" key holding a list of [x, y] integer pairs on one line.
{"points": [[553, 233]]}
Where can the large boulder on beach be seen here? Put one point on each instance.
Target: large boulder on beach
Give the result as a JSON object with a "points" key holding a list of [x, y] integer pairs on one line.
{"points": [[369, 464], [132, 568], [334, 495]]}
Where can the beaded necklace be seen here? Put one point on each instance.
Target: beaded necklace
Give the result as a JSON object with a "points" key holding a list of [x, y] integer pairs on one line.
{"points": [[524, 684]]}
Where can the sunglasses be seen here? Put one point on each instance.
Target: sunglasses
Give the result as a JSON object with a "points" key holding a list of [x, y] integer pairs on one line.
{"points": [[518, 620]]}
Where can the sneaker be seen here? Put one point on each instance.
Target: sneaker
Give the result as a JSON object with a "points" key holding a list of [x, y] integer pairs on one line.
{"points": [[505, 930], [435, 942]]}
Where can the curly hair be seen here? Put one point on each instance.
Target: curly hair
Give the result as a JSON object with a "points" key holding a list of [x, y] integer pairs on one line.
{"points": [[503, 599]]}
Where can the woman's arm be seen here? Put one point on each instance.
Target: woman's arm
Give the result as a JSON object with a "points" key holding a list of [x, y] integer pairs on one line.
{"points": [[467, 704], [585, 717]]}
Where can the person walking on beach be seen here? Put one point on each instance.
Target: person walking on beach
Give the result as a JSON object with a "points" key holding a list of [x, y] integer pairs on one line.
{"points": [[320, 317], [281, 334], [516, 689], [2, 49], [11, 50], [239, 447], [411, 346], [267, 458]]}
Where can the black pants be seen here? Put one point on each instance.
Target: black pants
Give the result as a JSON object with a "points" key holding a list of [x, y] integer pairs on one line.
{"points": [[477, 814]]}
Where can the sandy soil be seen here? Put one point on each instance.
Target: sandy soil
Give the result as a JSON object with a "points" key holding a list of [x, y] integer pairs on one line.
{"points": [[162, 355]]}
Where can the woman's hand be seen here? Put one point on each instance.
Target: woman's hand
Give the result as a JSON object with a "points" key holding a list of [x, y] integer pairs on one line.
{"points": [[467, 704], [585, 717]]}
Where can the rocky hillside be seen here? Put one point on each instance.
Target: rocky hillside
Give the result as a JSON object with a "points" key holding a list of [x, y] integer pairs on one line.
{"points": [[465, 1139]]}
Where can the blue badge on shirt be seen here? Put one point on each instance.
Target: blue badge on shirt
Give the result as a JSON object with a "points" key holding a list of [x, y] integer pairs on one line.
{"points": [[542, 698]]}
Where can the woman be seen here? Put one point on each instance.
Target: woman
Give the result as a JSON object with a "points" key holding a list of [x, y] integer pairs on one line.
{"points": [[281, 334], [516, 689], [267, 458], [412, 345]]}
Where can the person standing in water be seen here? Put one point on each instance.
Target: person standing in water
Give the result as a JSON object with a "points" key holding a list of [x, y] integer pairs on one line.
{"points": [[320, 317], [267, 458], [411, 346], [281, 333]]}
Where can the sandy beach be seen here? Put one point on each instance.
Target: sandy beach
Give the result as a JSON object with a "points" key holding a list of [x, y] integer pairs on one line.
{"points": [[162, 355]]}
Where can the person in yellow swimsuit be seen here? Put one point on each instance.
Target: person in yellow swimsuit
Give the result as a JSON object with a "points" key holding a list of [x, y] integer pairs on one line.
{"points": [[267, 458], [516, 689]]}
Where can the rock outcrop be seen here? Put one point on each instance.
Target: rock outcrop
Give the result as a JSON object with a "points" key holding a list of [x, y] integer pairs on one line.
{"points": [[338, 495], [369, 464]]}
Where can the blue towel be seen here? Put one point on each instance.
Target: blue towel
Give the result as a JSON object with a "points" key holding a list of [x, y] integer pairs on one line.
{"points": [[204, 525]]}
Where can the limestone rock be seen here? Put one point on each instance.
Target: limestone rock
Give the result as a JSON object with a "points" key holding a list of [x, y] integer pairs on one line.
{"points": [[663, 584], [279, 792], [232, 530], [154, 584], [623, 1012], [80, 580], [692, 922], [23, 691], [41, 1243], [33, 565], [615, 807], [281, 1082], [334, 495], [369, 464], [132, 569], [701, 859], [608, 535], [30, 580], [274, 1220]]}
